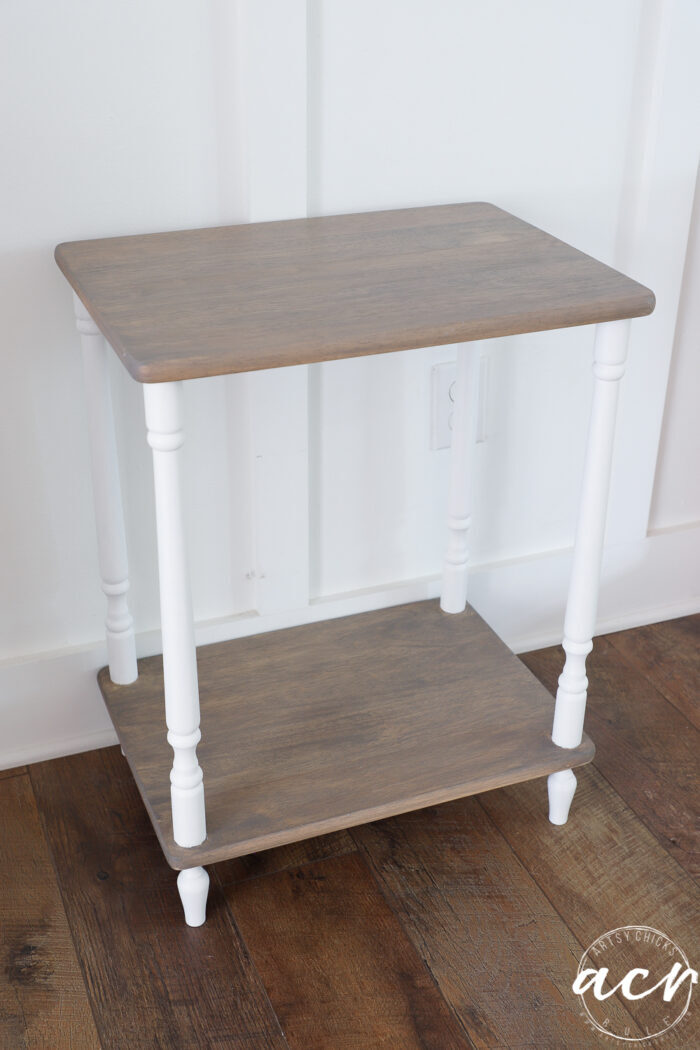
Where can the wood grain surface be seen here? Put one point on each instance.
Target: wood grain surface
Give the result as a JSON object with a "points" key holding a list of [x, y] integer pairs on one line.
{"points": [[603, 869], [645, 747], [156, 983], [668, 655], [317, 728], [43, 1001], [453, 879], [480, 903], [16, 771], [281, 858], [195, 303], [349, 977]]}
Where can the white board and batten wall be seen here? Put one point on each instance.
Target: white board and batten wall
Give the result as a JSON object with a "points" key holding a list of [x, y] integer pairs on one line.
{"points": [[314, 491]]}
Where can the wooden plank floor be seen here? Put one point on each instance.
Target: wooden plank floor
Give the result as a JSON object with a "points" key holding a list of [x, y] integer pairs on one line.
{"points": [[456, 926]]}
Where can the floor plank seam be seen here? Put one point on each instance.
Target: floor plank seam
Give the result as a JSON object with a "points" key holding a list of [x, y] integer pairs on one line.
{"points": [[531, 875], [521, 864], [638, 668], [251, 958], [6, 775], [76, 950], [366, 860], [275, 871], [640, 817]]}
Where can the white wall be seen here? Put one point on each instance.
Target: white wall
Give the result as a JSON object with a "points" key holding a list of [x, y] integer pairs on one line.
{"points": [[580, 117]]}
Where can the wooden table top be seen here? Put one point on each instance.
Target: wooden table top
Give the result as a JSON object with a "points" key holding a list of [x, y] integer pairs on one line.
{"points": [[208, 302]]}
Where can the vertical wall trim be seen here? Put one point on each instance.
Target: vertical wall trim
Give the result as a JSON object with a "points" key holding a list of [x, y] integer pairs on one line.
{"points": [[657, 194], [261, 81], [314, 206], [685, 344], [229, 76], [314, 101], [643, 131]]}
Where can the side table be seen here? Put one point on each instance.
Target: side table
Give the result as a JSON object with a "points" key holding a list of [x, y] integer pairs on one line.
{"points": [[332, 724]]}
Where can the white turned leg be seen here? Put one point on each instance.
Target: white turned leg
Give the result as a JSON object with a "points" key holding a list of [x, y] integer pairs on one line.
{"points": [[109, 516], [579, 623], [163, 403], [193, 886], [560, 787], [464, 421]]}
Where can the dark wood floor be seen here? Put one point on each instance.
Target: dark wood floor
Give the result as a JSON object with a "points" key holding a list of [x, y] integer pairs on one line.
{"points": [[456, 926]]}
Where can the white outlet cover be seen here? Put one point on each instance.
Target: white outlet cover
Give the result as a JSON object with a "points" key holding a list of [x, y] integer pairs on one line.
{"points": [[442, 381], [442, 389]]}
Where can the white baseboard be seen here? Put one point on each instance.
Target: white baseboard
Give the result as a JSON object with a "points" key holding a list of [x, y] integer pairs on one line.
{"points": [[50, 704], [638, 618], [43, 750]]}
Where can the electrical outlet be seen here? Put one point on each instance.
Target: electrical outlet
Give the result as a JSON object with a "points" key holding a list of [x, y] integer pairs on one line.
{"points": [[442, 393], [443, 379]]}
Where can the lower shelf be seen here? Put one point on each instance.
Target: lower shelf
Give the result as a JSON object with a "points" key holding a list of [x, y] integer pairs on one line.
{"points": [[320, 727]]}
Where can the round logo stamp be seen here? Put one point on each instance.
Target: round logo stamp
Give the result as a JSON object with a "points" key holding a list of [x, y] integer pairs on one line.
{"points": [[634, 983]]}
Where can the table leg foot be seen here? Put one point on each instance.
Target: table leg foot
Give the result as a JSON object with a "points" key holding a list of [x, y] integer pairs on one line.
{"points": [[193, 887], [560, 787]]}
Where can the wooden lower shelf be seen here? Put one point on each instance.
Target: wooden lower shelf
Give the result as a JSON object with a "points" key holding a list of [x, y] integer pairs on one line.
{"points": [[321, 727]]}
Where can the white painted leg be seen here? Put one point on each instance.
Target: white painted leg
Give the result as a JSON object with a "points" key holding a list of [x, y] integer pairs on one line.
{"points": [[193, 886], [163, 403], [109, 516], [560, 787], [579, 623], [464, 423]]}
